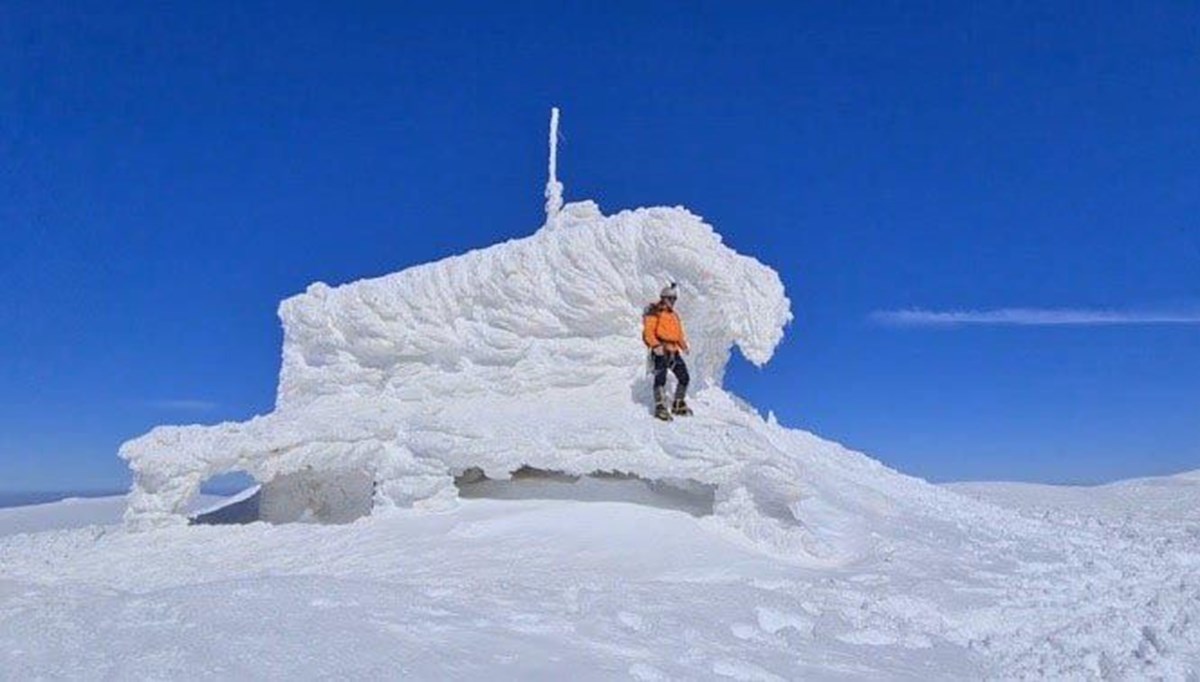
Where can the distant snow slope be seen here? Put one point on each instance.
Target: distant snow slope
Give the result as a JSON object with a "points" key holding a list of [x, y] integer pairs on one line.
{"points": [[1156, 500], [77, 512]]}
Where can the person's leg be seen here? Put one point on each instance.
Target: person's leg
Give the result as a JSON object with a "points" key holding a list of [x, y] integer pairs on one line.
{"points": [[661, 365], [682, 378]]}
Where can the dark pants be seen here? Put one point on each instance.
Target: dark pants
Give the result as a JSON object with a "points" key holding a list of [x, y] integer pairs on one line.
{"points": [[673, 362]]}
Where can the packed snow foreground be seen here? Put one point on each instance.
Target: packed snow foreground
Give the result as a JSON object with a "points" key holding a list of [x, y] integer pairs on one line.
{"points": [[526, 355]]}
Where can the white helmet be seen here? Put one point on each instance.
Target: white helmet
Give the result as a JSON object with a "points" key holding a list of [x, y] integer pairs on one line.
{"points": [[671, 292]]}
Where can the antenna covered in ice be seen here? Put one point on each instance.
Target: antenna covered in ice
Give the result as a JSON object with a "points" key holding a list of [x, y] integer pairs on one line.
{"points": [[554, 188]]}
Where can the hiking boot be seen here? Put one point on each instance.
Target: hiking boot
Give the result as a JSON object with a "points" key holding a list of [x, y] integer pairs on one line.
{"points": [[660, 404], [680, 407]]}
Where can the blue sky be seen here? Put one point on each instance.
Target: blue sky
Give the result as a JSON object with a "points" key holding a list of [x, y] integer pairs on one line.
{"points": [[171, 173]]}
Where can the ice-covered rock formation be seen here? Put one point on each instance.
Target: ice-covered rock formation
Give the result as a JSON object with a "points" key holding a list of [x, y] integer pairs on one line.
{"points": [[526, 354]]}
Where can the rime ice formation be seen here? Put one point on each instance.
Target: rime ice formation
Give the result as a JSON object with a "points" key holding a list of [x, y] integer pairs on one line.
{"points": [[554, 188], [527, 353]]}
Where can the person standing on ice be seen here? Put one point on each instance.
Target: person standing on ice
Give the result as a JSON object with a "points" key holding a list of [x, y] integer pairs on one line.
{"points": [[663, 333]]}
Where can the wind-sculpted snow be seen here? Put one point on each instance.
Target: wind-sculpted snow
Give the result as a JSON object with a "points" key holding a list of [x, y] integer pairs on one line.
{"points": [[559, 309], [528, 354]]}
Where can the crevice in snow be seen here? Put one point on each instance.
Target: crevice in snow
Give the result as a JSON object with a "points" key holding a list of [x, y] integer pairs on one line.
{"points": [[529, 483]]}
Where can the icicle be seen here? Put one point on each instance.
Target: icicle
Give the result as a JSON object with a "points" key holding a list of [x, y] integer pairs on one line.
{"points": [[554, 188]]}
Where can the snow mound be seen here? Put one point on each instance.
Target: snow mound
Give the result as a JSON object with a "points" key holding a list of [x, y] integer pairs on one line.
{"points": [[528, 354]]}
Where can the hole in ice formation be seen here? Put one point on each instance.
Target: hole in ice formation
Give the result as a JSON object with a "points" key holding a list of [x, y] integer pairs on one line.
{"points": [[242, 494], [236, 510], [298, 497], [228, 484], [528, 483]]}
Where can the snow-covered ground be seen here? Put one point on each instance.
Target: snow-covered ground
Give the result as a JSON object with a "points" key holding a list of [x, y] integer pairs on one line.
{"points": [[549, 579]]}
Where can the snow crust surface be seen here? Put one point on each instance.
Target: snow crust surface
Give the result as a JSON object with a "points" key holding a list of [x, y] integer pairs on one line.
{"points": [[590, 588]]}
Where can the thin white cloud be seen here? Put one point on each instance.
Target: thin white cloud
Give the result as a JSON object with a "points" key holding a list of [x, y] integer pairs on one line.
{"points": [[1036, 317], [183, 405]]}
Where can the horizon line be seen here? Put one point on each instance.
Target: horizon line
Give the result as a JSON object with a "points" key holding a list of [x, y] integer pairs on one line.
{"points": [[1032, 317]]}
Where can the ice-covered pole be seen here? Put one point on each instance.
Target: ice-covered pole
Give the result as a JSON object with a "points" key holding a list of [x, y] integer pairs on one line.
{"points": [[554, 188]]}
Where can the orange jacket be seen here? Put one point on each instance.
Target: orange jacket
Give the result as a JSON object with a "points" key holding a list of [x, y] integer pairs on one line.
{"points": [[663, 327]]}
